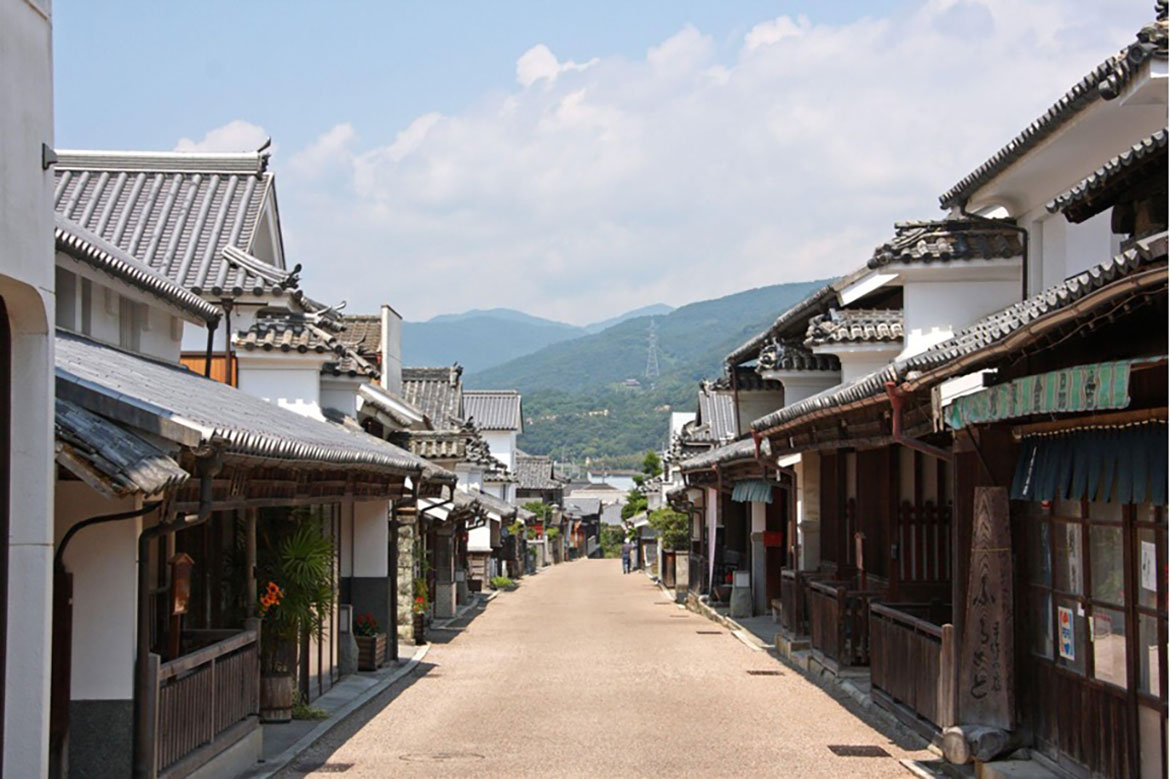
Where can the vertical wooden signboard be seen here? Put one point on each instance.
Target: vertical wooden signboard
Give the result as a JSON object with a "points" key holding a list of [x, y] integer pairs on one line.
{"points": [[986, 683]]}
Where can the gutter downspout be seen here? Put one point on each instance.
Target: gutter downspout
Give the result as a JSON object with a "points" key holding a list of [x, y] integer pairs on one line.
{"points": [[62, 646], [1023, 231], [227, 342], [210, 348], [897, 398], [145, 713]]}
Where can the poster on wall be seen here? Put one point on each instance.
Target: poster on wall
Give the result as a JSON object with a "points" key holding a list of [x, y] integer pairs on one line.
{"points": [[1068, 647], [1149, 570]]}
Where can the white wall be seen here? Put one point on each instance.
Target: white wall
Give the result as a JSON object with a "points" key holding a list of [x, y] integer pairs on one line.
{"points": [[755, 404], [340, 393], [799, 385], [856, 363], [26, 286], [1059, 249], [288, 382], [503, 446], [371, 538], [934, 310], [102, 559], [92, 303]]}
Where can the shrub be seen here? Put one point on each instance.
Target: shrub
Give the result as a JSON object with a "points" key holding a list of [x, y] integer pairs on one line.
{"points": [[501, 582]]}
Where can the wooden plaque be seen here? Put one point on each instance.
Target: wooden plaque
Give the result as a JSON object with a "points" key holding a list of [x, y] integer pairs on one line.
{"points": [[986, 678]]}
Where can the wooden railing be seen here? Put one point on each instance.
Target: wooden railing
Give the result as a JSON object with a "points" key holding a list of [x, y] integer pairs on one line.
{"points": [[839, 622], [913, 661], [203, 695]]}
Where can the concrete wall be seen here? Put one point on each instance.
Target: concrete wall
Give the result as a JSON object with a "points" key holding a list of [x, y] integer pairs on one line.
{"points": [[102, 560], [26, 286]]}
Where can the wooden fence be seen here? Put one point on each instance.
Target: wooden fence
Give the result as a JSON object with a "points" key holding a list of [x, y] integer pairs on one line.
{"points": [[204, 695], [912, 662], [839, 622]]}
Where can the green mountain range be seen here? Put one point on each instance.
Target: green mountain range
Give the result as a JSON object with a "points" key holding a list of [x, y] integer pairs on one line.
{"points": [[576, 400], [482, 338]]}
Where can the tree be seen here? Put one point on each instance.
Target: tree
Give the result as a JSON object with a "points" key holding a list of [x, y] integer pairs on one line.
{"points": [[612, 538], [635, 503], [674, 527], [652, 464], [540, 509]]}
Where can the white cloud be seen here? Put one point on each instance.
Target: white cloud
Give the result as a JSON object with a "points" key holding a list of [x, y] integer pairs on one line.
{"points": [[774, 31], [681, 175], [236, 135], [540, 63]]}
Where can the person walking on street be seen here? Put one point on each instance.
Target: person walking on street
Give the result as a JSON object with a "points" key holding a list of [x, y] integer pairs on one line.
{"points": [[627, 550]]}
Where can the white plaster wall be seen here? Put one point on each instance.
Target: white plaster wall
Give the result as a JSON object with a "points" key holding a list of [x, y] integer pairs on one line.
{"points": [[102, 560], [289, 383], [161, 335], [470, 477], [797, 387], [753, 405], [759, 515], [503, 446], [855, 364], [1061, 249], [934, 310], [340, 394], [371, 537], [808, 509], [26, 285], [480, 539]]}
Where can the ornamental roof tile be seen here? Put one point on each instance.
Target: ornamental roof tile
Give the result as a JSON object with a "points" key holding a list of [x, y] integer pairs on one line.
{"points": [[851, 325], [288, 331], [790, 356], [944, 240]]}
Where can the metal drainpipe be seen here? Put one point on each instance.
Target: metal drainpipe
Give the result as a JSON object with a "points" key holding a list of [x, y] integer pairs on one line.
{"points": [[1023, 231], [897, 398], [144, 703], [62, 652], [227, 342], [210, 348]]}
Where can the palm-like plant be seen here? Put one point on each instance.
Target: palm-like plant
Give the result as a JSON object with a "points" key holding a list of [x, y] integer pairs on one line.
{"points": [[301, 564]]}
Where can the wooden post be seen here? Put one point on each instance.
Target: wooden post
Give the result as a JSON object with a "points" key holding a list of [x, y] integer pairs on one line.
{"points": [[946, 678], [250, 593], [153, 662], [859, 552]]}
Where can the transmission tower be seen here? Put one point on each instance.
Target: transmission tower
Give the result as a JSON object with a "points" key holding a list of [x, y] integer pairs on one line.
{"points": [[652, 352]]}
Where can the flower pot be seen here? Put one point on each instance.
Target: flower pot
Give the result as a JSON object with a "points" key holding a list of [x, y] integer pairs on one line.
{"points": [[277, 695], [371, 651], [419, 626]]}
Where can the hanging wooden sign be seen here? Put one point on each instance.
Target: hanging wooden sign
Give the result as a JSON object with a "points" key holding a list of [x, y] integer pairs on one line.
{"points": [[181, 565], [986, 678]]}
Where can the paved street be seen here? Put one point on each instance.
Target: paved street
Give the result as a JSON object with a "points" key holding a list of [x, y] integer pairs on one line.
{"points": [[585, 672]]}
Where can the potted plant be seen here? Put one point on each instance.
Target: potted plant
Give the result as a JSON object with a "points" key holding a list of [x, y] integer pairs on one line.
{"points": [[297, 566], [419, 611], [371, 642]]}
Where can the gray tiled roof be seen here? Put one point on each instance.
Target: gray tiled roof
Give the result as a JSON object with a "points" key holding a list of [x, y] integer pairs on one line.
{"points": [[1078, 203], [535, 472], [438, 392], [943, 240], [197, 411], [853, 325], [794, 317], [363, 332], [493, 409], [88, 248], [110, 458], [717, 413], [736, 451], [746, 380], [1106, 81], [288, 331], [966, 351], [176, 212], [585, 507], [795, 357], [395, 407]]}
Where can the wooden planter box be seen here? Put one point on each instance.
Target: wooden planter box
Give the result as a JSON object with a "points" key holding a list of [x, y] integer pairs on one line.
{"points": [[371, 651]]}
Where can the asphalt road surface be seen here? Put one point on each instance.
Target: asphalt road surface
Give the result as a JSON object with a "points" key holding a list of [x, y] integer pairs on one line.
{"points": [[583, 671]]}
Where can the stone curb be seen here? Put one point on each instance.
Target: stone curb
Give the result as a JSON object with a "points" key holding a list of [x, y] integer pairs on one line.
{"points": [[281, 761]]}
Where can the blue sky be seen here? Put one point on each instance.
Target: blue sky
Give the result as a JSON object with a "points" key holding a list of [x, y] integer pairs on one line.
{"points": [[579, 159]]}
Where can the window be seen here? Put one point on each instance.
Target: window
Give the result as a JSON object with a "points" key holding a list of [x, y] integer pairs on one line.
{"points": [[66, 299], [1096, 609], [130, 316]]}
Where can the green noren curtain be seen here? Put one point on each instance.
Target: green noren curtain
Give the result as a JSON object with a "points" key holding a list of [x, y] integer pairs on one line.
{"points": [[752, 490]]}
